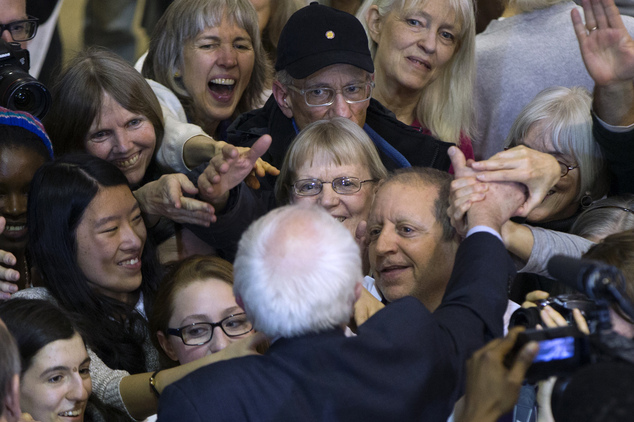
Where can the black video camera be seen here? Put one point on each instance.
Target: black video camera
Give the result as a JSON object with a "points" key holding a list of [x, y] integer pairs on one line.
{"points": [[561, 351], [19, 90]]}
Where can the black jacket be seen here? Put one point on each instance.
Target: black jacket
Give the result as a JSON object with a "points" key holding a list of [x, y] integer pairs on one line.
{"points": [[419, 149]]}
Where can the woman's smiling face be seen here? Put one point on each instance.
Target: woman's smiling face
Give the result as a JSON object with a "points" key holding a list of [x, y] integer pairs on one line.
{"points": [[349, 209], [110, 239], [57, 385], [413, 45]]}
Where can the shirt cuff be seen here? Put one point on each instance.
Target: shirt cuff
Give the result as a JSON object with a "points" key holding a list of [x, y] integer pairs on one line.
{"points": [[486, 229], [611, 128]]}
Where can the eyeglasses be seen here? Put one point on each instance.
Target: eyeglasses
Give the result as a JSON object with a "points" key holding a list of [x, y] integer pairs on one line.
{"points": [[201, 332], [341, 185], [21, 30], [611, 206], [565, 168], [323, 96]]}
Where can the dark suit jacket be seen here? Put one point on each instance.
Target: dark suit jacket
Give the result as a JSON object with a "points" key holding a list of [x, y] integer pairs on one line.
{"points": [[406, 364]]}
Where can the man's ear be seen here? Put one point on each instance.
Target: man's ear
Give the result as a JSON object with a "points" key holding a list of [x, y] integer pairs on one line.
{"points": [[357, 291], [166, 346], [373, 21], [12, 400], [280, 92]]}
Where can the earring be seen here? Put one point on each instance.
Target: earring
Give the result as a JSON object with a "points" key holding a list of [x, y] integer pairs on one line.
{"points": [[586, 201], [177, 74]]}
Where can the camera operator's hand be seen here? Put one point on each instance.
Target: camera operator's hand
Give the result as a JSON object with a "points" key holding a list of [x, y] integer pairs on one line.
{"points": [[493, 389], [551, 317]]}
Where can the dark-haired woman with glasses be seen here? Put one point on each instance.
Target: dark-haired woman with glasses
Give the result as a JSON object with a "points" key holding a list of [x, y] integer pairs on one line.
{"points": [[195, 313]]}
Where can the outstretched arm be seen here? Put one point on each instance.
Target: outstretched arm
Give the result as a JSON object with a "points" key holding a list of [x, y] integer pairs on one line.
{"points": [[227, 170], [608, 53]]}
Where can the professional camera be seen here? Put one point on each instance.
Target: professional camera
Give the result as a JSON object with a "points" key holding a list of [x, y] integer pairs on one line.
{"points": [[564, 349], [19, 90], [564, 304]]}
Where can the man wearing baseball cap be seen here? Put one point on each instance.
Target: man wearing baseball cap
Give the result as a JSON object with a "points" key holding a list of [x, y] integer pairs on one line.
{"points": [[324, 69]]}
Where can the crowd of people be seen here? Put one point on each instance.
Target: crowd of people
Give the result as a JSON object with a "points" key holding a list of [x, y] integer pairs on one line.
{"points": [[277, 214]]}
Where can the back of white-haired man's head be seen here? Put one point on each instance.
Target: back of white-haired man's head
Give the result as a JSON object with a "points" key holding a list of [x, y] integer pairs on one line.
{"points": [[9, 376], [297, 271]]}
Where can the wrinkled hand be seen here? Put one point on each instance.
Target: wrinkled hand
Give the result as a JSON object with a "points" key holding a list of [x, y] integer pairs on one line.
{"points": [[501, 201], [465, 190], [492, 389], [538, 171], [166, 197], [608, 51], [232, 166], [366, 306], [8, 276]]}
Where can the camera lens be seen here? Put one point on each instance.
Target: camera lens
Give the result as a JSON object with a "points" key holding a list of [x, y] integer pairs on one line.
{"points": [[526, 317], [23, 99], [20, 91], [30, 96]]}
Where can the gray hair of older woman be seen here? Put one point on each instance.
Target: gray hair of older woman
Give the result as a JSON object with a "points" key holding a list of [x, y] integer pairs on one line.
{"points": [[338, 140], [605, 217], [447, 99], [565, 113], [182, 22]]}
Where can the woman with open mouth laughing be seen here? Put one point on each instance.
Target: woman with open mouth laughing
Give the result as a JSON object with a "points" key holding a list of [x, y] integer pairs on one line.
{"points": [[90, 244], [207, 65]]}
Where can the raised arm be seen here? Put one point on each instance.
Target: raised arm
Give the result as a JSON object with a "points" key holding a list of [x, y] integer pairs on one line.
{"points": [[608, 53]]}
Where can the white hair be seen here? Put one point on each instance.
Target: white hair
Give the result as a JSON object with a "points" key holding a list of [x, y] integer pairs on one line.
{"points": [[296, 270], [565, 113]]}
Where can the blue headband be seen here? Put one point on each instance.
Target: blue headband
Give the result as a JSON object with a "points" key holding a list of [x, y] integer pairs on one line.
{"points": [[28, 122]]}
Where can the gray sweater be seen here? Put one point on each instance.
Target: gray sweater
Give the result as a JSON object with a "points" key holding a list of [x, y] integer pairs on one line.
{"points": [[518, 57]]}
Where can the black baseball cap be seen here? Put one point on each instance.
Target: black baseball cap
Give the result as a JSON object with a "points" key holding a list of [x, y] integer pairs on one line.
{"points": [[317, 36]]}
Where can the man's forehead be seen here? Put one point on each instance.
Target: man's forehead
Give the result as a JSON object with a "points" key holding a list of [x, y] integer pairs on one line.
{"points": [[336, 73], [12, 10], [412, 197]]}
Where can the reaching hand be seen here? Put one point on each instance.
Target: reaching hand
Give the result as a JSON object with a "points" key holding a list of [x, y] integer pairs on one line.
{"points": [[227, 170], [8, 276], [493, 389], [606, 46], [165, 197], [366, 306], [465, 190], [538, 171]]}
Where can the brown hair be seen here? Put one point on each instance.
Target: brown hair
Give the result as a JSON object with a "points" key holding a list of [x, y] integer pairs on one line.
{"points": [[618, 250], [78, 96], [182, 274]]}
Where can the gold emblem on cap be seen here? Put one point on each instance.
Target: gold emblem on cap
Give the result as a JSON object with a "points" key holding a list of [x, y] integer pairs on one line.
{"points": [[330, 35]]}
